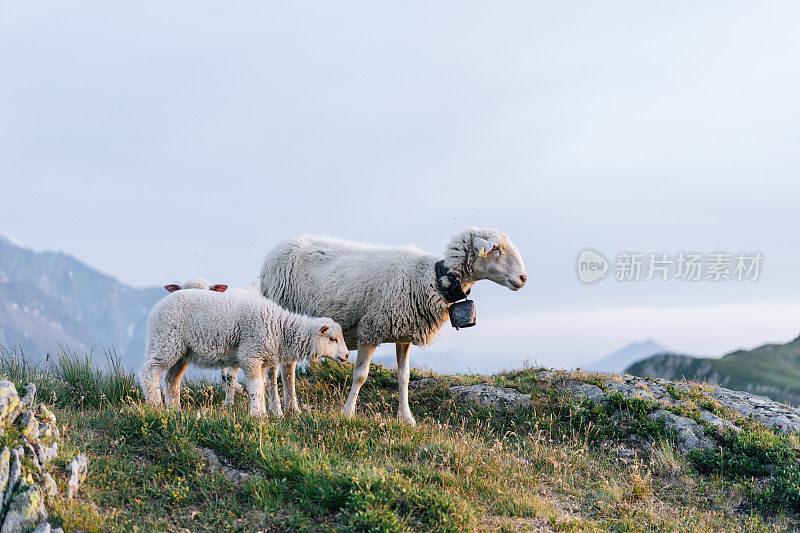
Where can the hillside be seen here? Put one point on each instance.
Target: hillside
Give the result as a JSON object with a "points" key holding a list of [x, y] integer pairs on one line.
{"points": [[531, 450], [772, 370], [49, 299]]}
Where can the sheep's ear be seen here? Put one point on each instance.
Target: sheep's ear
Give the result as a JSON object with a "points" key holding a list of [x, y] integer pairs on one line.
{"points": [[323, 329], [172, 287], [482, 246], [219, 288]]}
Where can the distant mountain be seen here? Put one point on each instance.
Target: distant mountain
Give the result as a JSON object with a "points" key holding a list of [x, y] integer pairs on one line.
{"points": [[619, 360], [49, 299], [771, 370]]}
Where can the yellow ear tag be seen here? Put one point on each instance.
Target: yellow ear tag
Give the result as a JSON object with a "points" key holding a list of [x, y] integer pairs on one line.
{"points": [[483, 252]]}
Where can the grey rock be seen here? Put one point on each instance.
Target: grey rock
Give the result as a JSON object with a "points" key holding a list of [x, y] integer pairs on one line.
{"points": [[768, 412], [581, 391], [633, 387], [46, 453], [76, 470], [30, 394], [56, 530], [9, 402], [215, 463], [691, 435], [500, 398], [34, 456], [46, 415], [14, 475], [29, 425], [25, 511], [419, 384], [624, 452], [49, 484], [45, 430], [44, 527], [5, 466], [718, 422]]}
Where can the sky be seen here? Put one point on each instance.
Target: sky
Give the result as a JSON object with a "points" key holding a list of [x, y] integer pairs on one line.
{"points": [[159, 141]]}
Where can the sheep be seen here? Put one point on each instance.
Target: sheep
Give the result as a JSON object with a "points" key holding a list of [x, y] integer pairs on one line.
{"points": [[196, 283], [215, 330], [232, 386], [384, 294]]}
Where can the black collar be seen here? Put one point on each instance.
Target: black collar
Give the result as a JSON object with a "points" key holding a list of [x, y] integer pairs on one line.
{"points": [[454, 292]]}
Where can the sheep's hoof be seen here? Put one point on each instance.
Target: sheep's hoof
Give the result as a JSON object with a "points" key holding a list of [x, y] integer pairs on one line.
{"points": [[408, 419]]}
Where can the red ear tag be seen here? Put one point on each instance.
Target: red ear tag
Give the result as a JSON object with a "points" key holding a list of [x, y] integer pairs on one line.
{"points": [[219, 288], [172, 287]]}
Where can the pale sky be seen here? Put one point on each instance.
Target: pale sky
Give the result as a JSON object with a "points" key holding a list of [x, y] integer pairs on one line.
{"points": [[158, 141]]}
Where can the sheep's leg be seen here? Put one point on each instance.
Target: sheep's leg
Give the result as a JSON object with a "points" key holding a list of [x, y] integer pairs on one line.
{"points": [[172, 382], [403, 411], [289, 394], [151, 381], [229, 379], [271, 378], [254, 385], [360, 372]]}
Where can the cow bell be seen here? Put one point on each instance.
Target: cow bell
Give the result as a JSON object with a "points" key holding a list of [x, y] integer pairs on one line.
{"points": [[462, 314]]}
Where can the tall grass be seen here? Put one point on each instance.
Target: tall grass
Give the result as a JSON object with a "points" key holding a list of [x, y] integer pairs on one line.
{"points": [[68, 379]]}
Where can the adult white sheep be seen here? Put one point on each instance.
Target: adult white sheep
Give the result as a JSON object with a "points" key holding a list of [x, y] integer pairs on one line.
{"points": [[384, 294], [215, 330]]}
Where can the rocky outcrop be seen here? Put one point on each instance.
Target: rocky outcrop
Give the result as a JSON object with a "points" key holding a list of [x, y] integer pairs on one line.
{"points": [[26, 464], [690, 434], [500, 398], [696, 413]]}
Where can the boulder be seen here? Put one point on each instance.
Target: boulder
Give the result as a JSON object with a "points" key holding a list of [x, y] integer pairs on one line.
{"points": [[30, 394], [419, 384], [584, 391], [49, 485], [29, 425], [76, 470], [500, 398], [768, 412], [691, 435], [9, 402], [26, 511]]}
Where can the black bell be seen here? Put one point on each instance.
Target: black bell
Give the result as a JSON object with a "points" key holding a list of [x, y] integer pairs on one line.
{"points": [[462, 314]]}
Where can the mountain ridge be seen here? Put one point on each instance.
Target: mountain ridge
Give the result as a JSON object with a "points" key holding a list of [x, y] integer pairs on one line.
{"points": [[622, 358], [772, 370], [51, 299]]}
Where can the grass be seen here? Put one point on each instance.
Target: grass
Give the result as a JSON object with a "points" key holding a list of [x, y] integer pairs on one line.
{"points": [[554, 466]]}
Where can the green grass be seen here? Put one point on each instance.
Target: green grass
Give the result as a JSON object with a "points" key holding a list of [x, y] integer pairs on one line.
{"points": [[463, 468]]}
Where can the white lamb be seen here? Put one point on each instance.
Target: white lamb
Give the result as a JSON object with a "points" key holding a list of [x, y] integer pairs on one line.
{"points": [[384, 294], [229, 374], [196, 283], [215, 330]]}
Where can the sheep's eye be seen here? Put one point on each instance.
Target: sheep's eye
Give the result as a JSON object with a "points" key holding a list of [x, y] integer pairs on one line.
{"points": [[496, 248], [333, 340]]}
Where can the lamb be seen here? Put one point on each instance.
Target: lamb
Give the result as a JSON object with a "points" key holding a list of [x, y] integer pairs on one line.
{"points": [[215, 330], [384, 294], [229, 374], [196, 283]]}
